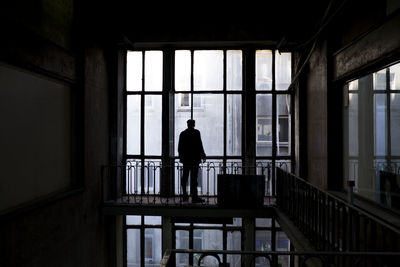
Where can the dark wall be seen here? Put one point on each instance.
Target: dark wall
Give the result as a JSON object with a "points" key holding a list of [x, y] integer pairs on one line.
{"points": [[67, 228], [357, 41]]}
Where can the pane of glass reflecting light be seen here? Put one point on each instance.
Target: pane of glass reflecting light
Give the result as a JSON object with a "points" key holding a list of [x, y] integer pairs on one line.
{"points": [[182, 114], [133, 247], [133, 125], [283, 70], [263, 125], [395, 77], [152, 220], [263, 70], [380, 124], [183, 69], [263, 240], [353, 124], [283, 125], [234, 70], [208, 70], [380, 80], [134, 71], [234, 125], [209, 119], [395, 125], [152, 135], [133, 219], [152, 247], [234, 243], [153, 71]]}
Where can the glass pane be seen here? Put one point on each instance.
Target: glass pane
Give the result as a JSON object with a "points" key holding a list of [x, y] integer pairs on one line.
{"points": [[395, 125], [134, 71], [152, 247], [207, 240], [133, 125], [263, 222], [182, 114], [283, 132], [264, 167], [182, 239], [234, 70], [133, 219], [380, 124], [234, 125], [353, 86], [264, 125], [380, 80], [152, 220], [153, 71], [234, 166], [283, 70], [283, 244], [234, 242], [209, 119], [263, 240], [263, 70], [236, 222], [133, 247], [152, 170], [207, 178], [395, 77], [183, 70], [208, 70], [353, 125], [153, 124]]}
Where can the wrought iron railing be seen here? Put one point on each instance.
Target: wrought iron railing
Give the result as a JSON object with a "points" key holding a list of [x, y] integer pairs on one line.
{"points": [[145, 182], [291, 258], [331, 223]]}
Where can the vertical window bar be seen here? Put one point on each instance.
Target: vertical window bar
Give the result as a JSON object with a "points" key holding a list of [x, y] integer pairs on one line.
{"points": [[225, 112], [142, 137], [388, 127], [274, 121], [191, 82]]}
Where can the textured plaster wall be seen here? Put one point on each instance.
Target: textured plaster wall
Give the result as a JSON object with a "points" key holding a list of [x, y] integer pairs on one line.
{"points": [[317, 117]]}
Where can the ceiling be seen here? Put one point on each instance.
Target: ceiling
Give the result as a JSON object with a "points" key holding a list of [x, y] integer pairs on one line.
{"points": [[201, 21]]}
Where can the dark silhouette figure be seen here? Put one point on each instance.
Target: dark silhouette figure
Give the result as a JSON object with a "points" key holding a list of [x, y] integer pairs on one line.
{"points": [[191, 153]]}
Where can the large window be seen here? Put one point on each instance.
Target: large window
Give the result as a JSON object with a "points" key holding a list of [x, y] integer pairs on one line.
{"points": [[143, 241], [371, 135], [245, 120]]}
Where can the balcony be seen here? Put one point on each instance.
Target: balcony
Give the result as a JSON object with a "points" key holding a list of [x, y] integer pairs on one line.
{"points": [[151, 185]]}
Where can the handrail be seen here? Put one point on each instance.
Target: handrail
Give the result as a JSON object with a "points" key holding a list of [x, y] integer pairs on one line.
{"points": [[326, 258], [331, 222]]}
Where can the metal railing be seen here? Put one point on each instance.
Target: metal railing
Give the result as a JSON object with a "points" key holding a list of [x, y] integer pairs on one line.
{"points": [[331, 223], [138, 182], [283, 258]]}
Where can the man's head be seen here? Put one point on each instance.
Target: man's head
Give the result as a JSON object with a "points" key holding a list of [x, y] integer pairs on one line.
{"points": [[191, 123]]}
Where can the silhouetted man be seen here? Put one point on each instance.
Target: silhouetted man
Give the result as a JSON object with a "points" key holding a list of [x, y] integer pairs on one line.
{"points": [[191, 153]]}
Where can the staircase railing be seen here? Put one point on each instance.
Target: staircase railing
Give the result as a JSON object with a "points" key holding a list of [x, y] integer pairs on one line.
{"points": [[331, 223]]}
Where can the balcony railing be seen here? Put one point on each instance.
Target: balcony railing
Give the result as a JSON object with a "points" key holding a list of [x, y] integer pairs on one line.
{"points": [[331, 223], [152, 183], [282, 258]]}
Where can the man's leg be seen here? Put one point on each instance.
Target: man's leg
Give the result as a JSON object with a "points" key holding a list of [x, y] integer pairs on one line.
{"points": [[184, 180], [193, 184]]}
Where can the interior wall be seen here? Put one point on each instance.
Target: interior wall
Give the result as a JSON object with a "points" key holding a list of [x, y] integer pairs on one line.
{"points": [[317, 86], [68, 229]]}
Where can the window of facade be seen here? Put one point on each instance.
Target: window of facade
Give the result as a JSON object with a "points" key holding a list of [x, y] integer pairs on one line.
{"points": [[209, 87], [371, 130], [143, 241]]}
